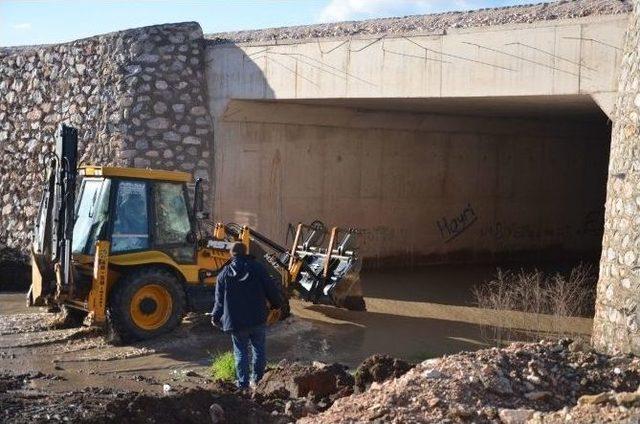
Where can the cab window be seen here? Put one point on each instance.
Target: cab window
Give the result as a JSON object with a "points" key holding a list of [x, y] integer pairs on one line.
{"points": [[171, 213], [92, 214], [131, 226]]}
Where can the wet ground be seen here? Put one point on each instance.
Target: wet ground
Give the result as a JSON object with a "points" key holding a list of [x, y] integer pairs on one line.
{"points": [[412, 315]]}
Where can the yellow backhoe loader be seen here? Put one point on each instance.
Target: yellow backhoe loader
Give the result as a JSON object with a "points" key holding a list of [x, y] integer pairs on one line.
{"points": [[127, 247]]}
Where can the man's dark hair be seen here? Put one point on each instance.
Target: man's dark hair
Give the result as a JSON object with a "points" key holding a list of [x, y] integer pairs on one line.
{"points": [[238, 249]]}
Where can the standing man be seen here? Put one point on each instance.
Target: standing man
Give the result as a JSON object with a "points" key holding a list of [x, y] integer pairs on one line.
{"points": [[242, 290]]}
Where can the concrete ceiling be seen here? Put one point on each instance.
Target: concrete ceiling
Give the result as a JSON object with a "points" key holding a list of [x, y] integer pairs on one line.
{"points": [[543, 107]]}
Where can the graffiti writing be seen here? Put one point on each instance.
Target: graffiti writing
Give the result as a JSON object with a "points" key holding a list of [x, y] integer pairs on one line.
{"points": [[589, 225], [450, 228]]}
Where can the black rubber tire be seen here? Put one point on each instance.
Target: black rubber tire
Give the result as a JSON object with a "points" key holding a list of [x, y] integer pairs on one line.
{"points": [[121, 327]]}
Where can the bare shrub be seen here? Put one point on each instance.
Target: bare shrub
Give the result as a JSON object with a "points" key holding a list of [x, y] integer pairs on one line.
{"points": [[535, 305]]}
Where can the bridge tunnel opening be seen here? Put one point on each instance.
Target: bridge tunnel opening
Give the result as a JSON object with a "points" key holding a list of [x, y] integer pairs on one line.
{"points": [[478, 183]]}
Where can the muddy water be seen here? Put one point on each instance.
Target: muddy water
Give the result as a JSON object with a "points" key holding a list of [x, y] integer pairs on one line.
{"points": [[413, 315]]}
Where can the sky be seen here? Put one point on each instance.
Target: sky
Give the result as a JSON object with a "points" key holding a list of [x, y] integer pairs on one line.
{"points": [[25, 22]]}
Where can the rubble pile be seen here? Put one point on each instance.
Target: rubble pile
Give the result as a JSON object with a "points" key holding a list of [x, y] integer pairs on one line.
{"points": [[434, 23], [511, 385]]}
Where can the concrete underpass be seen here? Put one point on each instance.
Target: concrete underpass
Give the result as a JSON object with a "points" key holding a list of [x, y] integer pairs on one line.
{"points": [[463, 151], [430, 181]]}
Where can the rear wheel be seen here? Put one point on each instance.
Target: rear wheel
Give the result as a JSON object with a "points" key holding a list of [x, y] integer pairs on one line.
{"points": [[144, 304]]}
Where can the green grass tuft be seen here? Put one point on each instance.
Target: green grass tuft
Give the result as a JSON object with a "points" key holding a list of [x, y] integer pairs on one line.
{"points": [[223, 366]]}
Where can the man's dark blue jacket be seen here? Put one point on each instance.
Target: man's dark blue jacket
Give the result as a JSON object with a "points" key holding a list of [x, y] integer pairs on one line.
{"points": [[242, 290]]}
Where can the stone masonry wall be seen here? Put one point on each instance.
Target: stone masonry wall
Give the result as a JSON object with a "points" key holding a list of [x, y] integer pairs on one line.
{"points": [[136, 96], [617, 320]]}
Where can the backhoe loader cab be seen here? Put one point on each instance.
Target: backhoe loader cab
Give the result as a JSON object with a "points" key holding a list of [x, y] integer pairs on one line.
{"points": [[129, 248]]}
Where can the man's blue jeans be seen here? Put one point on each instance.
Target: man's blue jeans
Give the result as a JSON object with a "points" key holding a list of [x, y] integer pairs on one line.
{"points": [[241, 340]]}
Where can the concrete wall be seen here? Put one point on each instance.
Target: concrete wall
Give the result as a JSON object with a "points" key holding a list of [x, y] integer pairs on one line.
{"points": [[428, 188], [137, 97], [561, 57]]}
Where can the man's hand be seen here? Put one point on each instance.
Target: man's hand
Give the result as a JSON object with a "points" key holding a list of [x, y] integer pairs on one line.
{"points": [[215, 323]]}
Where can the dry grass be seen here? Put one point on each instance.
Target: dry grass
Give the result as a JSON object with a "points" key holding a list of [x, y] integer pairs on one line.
{"points": [[547, 301]]}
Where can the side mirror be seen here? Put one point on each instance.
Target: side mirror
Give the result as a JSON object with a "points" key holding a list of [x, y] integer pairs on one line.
{"points": [[198, 201]]}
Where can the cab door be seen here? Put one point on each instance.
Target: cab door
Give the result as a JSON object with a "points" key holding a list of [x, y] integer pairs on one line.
{"points": [[172, 227]]}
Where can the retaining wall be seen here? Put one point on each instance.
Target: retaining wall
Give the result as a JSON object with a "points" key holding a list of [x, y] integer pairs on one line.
{"points": [[136, 96]]}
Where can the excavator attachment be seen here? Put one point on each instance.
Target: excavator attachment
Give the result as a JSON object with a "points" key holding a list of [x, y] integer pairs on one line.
{"points": [[320, 267]]}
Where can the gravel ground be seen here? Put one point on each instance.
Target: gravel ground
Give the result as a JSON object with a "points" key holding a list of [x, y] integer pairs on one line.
{"points": [[434, 22]]}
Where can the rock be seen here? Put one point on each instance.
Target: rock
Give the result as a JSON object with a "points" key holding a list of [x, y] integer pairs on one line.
{"points": [[299, 408], [34, 115], [432, 374], [191, 140], [198, 110], [159, 107], [627, 398], [594, 399], [459, 411], [578, 346], [538, 395], [166, 388], [158, 123], [149, 58], [515, 416], [495, 382], [216, 413]]}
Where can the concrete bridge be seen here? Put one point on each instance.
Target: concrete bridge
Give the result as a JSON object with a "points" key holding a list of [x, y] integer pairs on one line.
{"points": [[460, 144]]}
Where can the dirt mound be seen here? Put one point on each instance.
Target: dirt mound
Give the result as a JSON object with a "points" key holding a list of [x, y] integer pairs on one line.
{"points": [[490, 384], [378, 368], [297, 380], [190, 406], [96, 405], [297, 390]]}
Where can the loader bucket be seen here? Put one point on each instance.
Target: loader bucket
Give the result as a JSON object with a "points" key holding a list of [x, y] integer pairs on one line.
{"points": [[330, 272]]}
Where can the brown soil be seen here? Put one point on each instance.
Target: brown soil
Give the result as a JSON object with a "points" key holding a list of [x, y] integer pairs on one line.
{"points": [[297, 380], [378, 368], [97, 405]]}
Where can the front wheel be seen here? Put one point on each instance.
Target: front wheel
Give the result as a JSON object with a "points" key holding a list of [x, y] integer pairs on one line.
{"points": [[145, 303]]}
